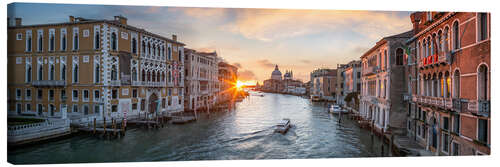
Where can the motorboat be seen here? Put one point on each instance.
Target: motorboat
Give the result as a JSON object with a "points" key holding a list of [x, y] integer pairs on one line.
{"points": [[315, 98], [283, 126], [336, 109]]}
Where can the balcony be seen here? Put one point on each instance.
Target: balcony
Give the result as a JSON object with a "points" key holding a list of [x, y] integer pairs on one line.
{"points": [[49, 83], [370, 70], [115, 83], [479, 107], [457, 104], [136, 83], [484, 108], [444, 57]]}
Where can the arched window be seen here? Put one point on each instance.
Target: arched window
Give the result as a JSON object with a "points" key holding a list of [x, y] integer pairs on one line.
{"points": [[52, 72], [456, 40], [169, 76], [143, 47], [40, 72], [456, 84], [114, 73], [429, 44], [169, 53], [134, 74], [154, 50], [399, 56], [441, 85], [149, 76], [40, 42], [445, 38], [149, 48], [75, 73], [97, 71], [63, 42], [482, 84], [134, 46], [434, 85], [143, 75], [447, 85], [114, 41], [419, 47], [440, 40], [154, 77], [63, 72], [28, 42], [163, 76], [158, 76], [28, 73], [75, 41], [385, 88]]}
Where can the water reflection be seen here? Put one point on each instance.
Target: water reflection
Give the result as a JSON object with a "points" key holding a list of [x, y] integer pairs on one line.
{"points": [[245, 133]]}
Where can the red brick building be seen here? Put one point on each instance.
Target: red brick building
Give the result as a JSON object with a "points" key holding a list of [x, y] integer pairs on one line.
{"points": [[450, 82]]}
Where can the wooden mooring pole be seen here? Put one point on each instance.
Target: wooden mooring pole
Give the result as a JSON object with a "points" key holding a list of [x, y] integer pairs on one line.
{"points": [[104, 126], [94, 124]]}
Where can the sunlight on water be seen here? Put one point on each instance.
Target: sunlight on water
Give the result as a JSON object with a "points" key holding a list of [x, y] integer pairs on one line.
{"points": [[245, 133]]}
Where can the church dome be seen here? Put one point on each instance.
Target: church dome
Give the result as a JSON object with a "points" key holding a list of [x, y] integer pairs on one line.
{"points": [[276, 73]]}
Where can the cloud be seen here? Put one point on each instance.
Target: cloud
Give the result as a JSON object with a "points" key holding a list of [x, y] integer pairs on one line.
{"points": [[268, 25], [246, 75], [265, 63], [237, 65]]}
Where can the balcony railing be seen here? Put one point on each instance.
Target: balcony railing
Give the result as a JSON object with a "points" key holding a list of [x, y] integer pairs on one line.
{"points": [[370, 70], [484, 108], [115, 83], [444, 57], [49, 83], [457, 104]]}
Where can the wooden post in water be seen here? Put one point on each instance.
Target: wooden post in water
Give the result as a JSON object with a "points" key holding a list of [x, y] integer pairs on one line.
{"points": [[104, 125], [114, 128], [94, 124], [390, 144]]}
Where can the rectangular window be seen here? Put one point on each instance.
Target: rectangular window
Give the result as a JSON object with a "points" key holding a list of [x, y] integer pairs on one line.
{"points": [[134, 106], [18, 107], [482, 135], [143, 104], [445, 123], [75, 95], [446, 143], [114, 108], [51, 95], [63, 95], [85, 109], [39, 94], [28, 107], [18, 94], [28, 94], [456, 149], [114, 94], [97, 37], [456, 123], [134, 93], [97, 95], [75, 108], [52, 39], [39, 109], [483, 34], [97, 109], [163, 101], [86, 95], [169, 102]]}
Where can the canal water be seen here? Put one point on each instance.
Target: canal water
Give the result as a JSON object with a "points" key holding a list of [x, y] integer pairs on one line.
{"points": [[244, 133]]}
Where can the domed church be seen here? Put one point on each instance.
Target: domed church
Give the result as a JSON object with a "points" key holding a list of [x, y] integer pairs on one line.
{"points": [[276, 74]]}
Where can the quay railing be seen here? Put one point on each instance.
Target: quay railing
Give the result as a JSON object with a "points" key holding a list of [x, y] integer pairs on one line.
{"points": [[49, 127]]}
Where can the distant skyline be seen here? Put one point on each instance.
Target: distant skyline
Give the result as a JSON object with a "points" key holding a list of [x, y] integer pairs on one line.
{"points": [[254, 40]]}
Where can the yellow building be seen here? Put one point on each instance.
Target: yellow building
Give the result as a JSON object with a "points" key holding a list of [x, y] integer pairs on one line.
{"points": [[106, 67]]}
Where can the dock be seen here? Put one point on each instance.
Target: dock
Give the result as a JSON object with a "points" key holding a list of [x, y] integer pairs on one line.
{"points": [[182, 119]]}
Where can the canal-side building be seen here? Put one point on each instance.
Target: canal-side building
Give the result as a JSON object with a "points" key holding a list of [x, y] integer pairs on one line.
{"points": [[323, 83], [228, 76], [279, 83], [450, 109], [383, 84], [340, 84], [202, 79], [352, 81], [92, 67]]}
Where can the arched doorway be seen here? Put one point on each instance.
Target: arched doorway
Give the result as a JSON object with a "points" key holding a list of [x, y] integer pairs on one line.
{"points": [[153, 103]]}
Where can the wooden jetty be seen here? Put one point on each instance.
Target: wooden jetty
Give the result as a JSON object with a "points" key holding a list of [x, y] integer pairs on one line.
{"points": [[182, 119]]}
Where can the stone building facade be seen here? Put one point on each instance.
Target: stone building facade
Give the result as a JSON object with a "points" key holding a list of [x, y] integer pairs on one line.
{"points": [[450, 104], [100, 68], [323, 84], [228, 77], [202, 79], [383, 84]]}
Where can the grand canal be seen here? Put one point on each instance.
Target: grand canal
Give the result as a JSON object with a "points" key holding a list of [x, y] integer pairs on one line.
{"points": [[244, 133]]}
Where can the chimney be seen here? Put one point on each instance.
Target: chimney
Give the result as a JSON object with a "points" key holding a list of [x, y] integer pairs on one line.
{"points": [[121, 19], [174, 37], [71, 19], [415, 20], [19, 21]]}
